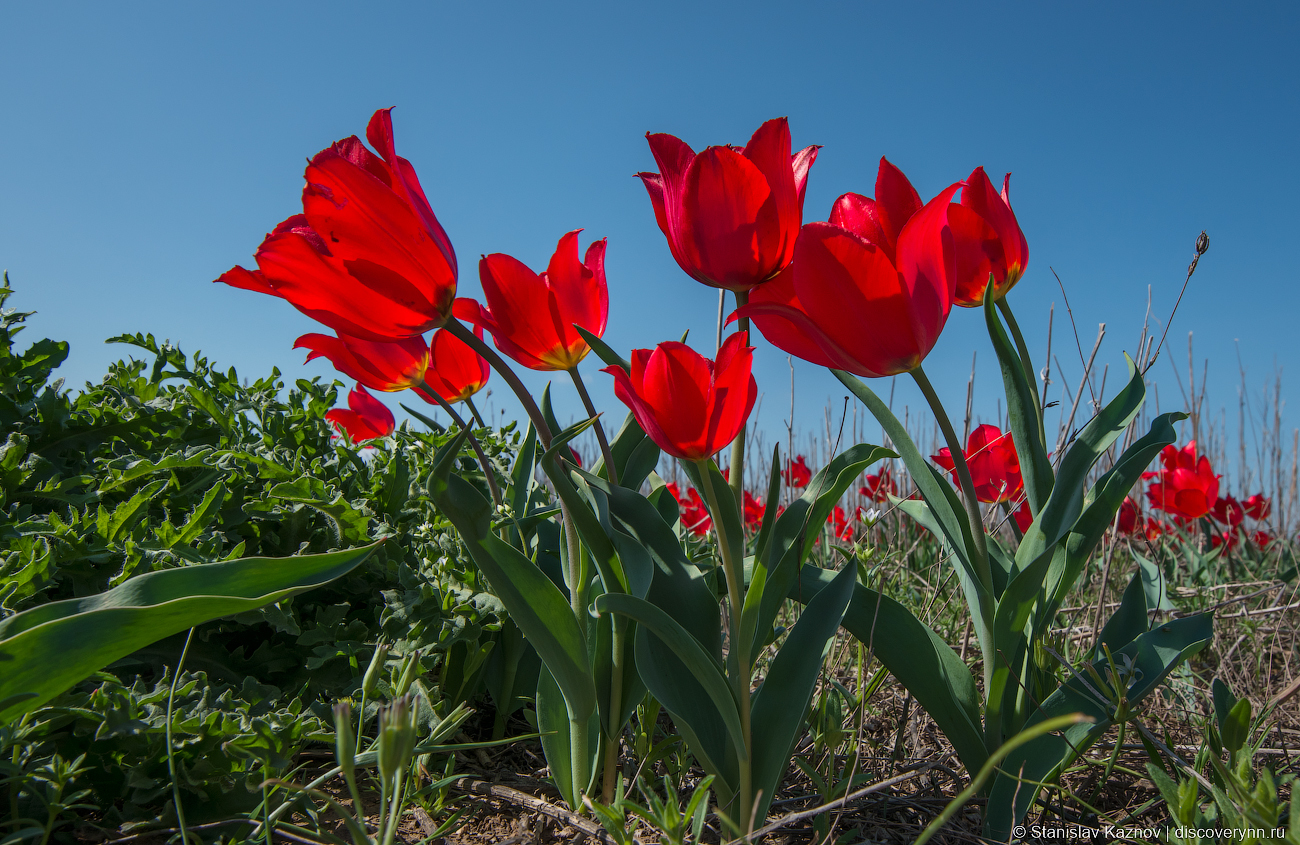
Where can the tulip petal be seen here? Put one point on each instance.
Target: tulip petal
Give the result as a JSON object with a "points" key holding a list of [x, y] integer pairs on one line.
{"points": [[980, 196], [896, 201], [521, 308], [800, 163], [926, 264], [676, 384], [769, 150], [456, 372], [730, 226], [861, 216], [977, 254], [775, 326]]}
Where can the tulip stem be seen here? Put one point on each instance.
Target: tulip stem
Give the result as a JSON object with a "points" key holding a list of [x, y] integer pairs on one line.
{"points": [[736, 600], [609, 792], [488, 473], [476, 343], [605, 453], [737, 479], [957, 450], [473, 409]]}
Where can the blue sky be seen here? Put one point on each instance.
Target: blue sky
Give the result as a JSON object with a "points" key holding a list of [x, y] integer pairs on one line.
{"points": [[148, 148]]}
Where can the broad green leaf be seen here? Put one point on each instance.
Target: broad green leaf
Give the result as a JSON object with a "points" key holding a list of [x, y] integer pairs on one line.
{"points": [[1236, 727], [521, 474], [1152, 656], [1223, 699], [1154, 584], [603, 350], [557, 746], [770, 506], [631, 687], [780, 705], [1127, 623], [727, 521], [1023, 410], [918, 657], [48, 649], [537, 606]]}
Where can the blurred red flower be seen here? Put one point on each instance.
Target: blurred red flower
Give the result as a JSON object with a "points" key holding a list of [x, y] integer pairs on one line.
{"points": [[994, 465], [754, 508], [366, 257], [840, 524], [366, 418], [1229, 511], [731, 215], [798, 474], [1130, 516], [531, 316], [1262, 539], [688, 405], [880, 486], [1185, 485], [1023, 516], [1258, 507]]}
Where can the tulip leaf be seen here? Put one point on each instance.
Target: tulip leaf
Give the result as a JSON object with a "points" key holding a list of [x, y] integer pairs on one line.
{"points": [[1152, 656], [918, 657], [1127, 623], [631, 688], [48, 649], [521, 474], [1066, 502], [796, 530], [705, 670], [781, 703], [557, 737], [1023, 410], [727, 520], [537, 606], [770, 506], [603, 350], [950, 516]]}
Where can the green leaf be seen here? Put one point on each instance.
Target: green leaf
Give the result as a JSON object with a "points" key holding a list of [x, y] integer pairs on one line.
{"points": [[1022, 409], [726, 521], [48, 649], [1128, 622], [537, 606], [918, 657], [1152, 656], [603, 350], [780, 705], [1223, 699], [557, 744], [1236, 728]]}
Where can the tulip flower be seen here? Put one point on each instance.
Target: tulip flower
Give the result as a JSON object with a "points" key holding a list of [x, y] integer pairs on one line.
{"points": [[366, 257], [840, 525], [847, 305], [754, 509], [988, 240], [731, 215], [688, 405], [1130, 516], [1258, 507], [994, 465], [379, 366], [1230, 537], [694, 514], [531, 316], [879, 487], [1262, 539], [1229, 511], [1023, 516], [366, 418], [798, 474], [456, 372], [1186, 485]]}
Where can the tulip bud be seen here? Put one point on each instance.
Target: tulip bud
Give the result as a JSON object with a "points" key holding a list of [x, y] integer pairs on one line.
{"points": [[411, 669], [370, 682], [1202, 244], [344, 740], [396, 742]]}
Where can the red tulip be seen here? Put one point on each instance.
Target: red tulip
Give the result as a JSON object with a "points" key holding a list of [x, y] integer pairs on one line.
{"points": [[366, 257], [1186, 485], [845, 304], [531, 316], [879, 487], [798, 474], [367, 419], [1230, 536], [687, 404], [380, 366], [1130, 516], [1023, 516], [840, 524], [988, 240], [754, 509], [880, 220], [1258, 507], [456, 372], [1262, 539], [994, 465], [1229, 511], [694, 514], [731, 216]]}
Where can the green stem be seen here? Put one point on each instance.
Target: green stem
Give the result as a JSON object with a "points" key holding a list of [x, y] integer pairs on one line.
{"points": [[736, 600], [473, 409], [610, 472], [610, 783], [483, 461], [737, 479], [1025, 363], [957, 450], [171, 758], [489, 354], [1110, 763]]}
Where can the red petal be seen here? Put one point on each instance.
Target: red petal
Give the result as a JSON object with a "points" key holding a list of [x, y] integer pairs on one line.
{"points": [[733, 393], [676, 385], [456, 371], [980, 196], [926, 264], [769, 150], [861, 216], [730, 227], [896, 201], [520, 304], [977, 255], [779, 330], [800, 163]]}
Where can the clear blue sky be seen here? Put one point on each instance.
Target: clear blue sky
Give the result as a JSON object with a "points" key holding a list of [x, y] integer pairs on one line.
{"points": [[148, 147]]}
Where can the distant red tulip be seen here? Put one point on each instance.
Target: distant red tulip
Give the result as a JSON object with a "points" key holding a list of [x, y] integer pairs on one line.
{"points": [[988, 240], [577, 459], [1230, 536], [1262, 539], [1023, 516], [754, 509], [456, 372], [366, 419], [695, 516], [366, 257], [840, 525], [687, 404], [1186, 485], [994, 465], [531, 316], [731, 215], [879, 487], [845, 304], [798, 474], [380, 366], [1229, 511], [1130, 516], [1258, 507]]}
